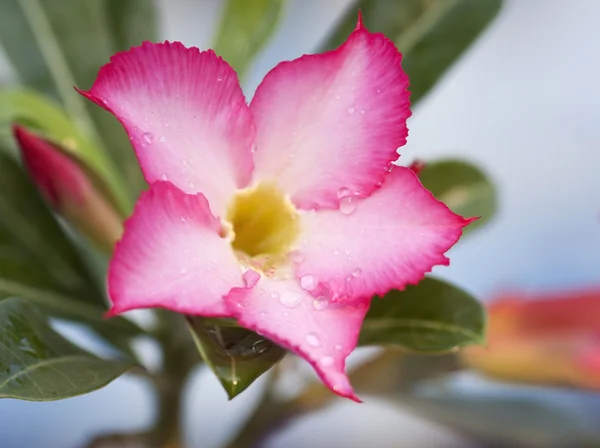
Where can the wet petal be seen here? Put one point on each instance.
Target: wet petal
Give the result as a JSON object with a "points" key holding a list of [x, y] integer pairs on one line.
{"points": [[324, 336], [171, 256], [185, 114], [386, 241], [332, 121]]}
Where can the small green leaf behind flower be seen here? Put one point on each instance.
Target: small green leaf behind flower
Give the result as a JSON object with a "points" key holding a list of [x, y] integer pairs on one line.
{"points": [[37, 364], [432, 317], [463, 187], [245, 28], [236, 356]]}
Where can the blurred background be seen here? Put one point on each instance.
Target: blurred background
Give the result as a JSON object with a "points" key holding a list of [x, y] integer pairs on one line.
{"points": [[521, 103]]}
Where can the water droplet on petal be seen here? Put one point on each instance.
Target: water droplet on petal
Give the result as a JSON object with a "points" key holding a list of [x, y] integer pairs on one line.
{"points": [[351, 110], [308, 282], [148, 137], [163, 177], [296, 257], [357, 272], [363, 111], [320, 303], [166, 125], [264, 313], [274, 294], [162, 139], [220, 78], [326, 361], [290, 299], [191, 160], [343, 192], [191, 185], [347, 205], [313, 340], [183, 271], [184, 162], [338, 347]]}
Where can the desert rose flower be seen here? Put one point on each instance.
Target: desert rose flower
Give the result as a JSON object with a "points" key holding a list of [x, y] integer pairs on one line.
{"points": [[549, 338], [68, 189], [286, 214]]}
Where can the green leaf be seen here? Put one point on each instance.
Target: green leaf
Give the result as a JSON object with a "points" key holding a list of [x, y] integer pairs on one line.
{"points": [[431, 34], [431, 317], [37, 364], [34, 110], [463, 187], [131, 22], [39, 262], [245, 29], [56, 45], [236, 356], [507, 420]]}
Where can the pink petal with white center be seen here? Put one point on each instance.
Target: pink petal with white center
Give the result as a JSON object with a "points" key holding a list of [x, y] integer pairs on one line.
{"points": [[386, 241], [323, 335], [185, 114], [172, 256], [332, 121]]}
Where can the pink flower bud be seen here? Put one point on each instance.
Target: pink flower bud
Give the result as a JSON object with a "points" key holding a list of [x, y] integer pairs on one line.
{"points": [[68, 189]]}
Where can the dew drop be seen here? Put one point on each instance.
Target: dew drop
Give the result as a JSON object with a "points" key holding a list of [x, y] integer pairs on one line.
{"points": [[162, 139], [191, 185], [363, 111], [274, 295], [290, 299], [148, 137], [220, 78], [183, 271], [320, 303], [163, 177], [338, 347], [191, 161], [351, 110], [184, 162], [264, 313], [313, 340], [183, 218], [166, 125], [336, 252], [326, 361], [296, 257], [357, 272], [308, 282], [342, 192], [347, 205]]}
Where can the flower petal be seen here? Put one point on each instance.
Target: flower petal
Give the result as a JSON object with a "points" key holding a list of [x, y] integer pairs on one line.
{"points": [[172, 256], [383, 242], [281, 311], [185, 114], [332, 121]]}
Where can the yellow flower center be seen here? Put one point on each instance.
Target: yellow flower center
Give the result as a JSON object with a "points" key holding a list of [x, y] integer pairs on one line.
{"points": [[264, 222]]}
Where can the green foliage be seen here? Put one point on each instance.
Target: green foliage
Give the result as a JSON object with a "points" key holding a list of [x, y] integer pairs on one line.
{"points": [[56, 45], [246, 27], [431, 34], [463, 187], [38, 364], [236, 356], [433, 317]]}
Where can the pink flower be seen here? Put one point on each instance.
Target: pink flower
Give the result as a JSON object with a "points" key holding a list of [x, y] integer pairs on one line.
{"points": [[549, 338], [285, 214]]}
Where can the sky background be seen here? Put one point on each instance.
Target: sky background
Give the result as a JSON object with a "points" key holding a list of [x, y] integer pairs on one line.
{"points": [[523, 104]]}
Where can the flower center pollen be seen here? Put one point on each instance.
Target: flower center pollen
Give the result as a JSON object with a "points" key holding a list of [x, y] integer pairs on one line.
{"points": [[264, 221]]}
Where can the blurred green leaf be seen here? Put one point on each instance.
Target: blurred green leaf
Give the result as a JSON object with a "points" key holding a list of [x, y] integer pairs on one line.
{"points": [[506, 420], [236, 356], [463, 187], [245, 29], [431, 34], [38, 364], [34, 110], [433, 316], [131, 22], [39, 262], [56, 45]]}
